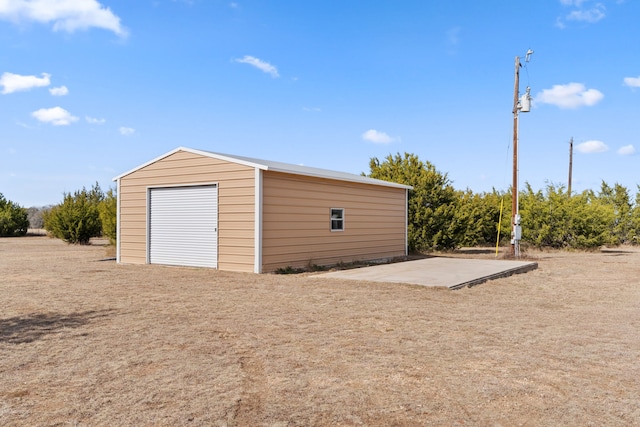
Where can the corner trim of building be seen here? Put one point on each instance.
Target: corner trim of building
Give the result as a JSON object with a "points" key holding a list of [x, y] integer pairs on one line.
{"points": [[257, 263], [118, 222]]}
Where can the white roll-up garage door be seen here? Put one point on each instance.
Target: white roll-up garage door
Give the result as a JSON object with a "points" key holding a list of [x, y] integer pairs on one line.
{"points": [[183, 226]]}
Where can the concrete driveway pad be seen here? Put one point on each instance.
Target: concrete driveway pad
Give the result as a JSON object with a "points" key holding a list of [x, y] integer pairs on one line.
{"points": [[454, 273]]}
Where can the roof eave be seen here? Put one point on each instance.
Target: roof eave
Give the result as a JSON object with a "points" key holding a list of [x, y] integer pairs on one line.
{"points": [[311, 172], [364, 180]]}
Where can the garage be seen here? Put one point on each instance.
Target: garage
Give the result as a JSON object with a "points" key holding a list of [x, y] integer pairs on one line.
{"points": [[200, 208]]}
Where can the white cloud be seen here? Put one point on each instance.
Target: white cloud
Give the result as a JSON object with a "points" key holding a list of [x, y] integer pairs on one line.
{"points": [[560, 24], [453, 36], [59, 91], [15, 82], [632, 81], [94, 121], [572, 95], [592, 147], [259, 64], [126, 131], [588, 11], [378, 137], [66, 15], [57, 116], [592, 15], [312, 109], [627, 150], [571, 2]]}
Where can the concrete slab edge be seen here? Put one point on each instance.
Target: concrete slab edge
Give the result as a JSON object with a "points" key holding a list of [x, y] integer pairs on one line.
{"points": [[517, 270]]}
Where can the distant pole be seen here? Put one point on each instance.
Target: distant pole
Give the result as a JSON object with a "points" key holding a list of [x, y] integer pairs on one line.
{"points": [[570, 164], [515, 249]]}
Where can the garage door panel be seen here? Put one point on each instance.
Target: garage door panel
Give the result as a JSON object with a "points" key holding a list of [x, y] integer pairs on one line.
{"points": [[183, 226]]}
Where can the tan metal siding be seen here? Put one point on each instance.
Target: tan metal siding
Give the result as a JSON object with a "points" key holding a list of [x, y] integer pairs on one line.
{"points": [[296, 229], [235, 204]]}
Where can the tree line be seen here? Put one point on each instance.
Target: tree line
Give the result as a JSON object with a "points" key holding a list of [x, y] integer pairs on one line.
{"points": [[79, 217], [439, 216]]}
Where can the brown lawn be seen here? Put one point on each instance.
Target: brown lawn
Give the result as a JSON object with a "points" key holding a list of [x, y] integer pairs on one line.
{"points": [[88, 342]]}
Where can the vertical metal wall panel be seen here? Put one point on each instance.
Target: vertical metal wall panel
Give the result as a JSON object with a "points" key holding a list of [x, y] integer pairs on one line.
{"points": [[183, 226]]}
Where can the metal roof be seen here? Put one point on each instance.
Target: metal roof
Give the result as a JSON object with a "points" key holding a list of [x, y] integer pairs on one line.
{"points": [[276, 167]]}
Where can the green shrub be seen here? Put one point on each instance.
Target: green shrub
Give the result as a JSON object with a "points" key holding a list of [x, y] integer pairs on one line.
{"points": [[14, 220], [433, 202], [109, 216], [77, 218], [480, 215], [634, 220], [582, 221], [619, 199]]}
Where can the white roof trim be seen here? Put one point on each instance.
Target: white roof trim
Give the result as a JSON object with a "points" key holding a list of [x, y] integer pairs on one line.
{"points": [[276, 167]]}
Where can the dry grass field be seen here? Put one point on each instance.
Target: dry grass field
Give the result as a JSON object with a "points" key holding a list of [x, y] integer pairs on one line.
{"points": [[86, 342]]}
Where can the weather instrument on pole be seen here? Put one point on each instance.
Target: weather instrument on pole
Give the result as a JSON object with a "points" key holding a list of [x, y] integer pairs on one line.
{"points": [[527, 56]]}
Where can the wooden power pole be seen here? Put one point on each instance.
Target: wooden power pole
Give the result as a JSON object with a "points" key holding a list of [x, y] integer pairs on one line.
{"points": [[518, 107], [570, 165], [514, 186]]}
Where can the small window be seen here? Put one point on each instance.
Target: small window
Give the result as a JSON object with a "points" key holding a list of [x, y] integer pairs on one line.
{"points": [[337, 219]]}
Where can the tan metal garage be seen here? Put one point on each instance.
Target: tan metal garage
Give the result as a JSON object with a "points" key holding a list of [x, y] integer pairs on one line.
{"points": [[199, 208]]}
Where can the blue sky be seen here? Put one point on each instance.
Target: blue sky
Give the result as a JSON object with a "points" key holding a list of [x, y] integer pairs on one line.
{"points": [[90, 89]]}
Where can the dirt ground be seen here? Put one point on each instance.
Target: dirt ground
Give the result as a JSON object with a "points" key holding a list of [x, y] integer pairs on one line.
{"points": [[86, 342]]}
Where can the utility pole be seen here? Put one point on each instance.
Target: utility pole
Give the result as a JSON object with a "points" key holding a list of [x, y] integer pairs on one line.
{"points": [[515, 244], [523, 105], [570, 165]]}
